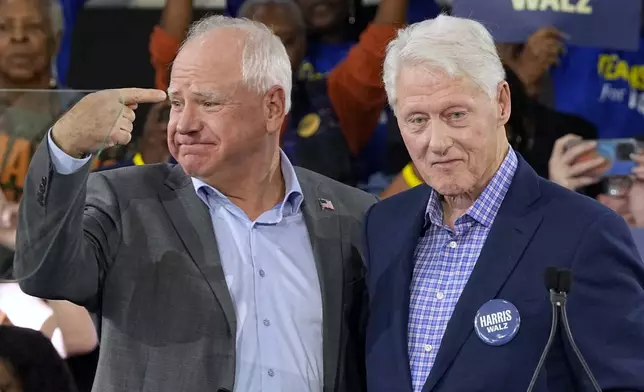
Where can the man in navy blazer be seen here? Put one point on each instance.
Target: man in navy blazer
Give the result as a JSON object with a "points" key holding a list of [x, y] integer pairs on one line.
{"points": [[456, 267]]}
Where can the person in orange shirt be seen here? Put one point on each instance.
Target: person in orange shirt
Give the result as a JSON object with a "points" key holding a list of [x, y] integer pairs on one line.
{"points": [[333, 117]]}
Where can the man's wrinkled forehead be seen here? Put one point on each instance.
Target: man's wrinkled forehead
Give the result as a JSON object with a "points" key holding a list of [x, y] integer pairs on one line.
{"points": [[435, 89], [202, 92]]}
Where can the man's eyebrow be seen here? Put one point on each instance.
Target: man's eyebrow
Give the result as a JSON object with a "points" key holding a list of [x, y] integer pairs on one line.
{"points": [[173, 92], [199, 94], [209, 95]]}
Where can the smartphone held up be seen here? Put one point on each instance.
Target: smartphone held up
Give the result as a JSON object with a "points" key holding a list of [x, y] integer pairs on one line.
{"points": [[616, 152]]}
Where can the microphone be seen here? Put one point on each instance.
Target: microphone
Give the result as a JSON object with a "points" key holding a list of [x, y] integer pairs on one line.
{"points": [[559, 282]]}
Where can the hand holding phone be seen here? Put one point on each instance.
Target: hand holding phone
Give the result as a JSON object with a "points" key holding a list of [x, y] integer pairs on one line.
{"points": [[575, 164], [617, 153]]}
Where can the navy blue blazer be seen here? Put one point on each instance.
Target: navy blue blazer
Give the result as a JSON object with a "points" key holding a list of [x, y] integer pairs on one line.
{"points": [[538, 225]]}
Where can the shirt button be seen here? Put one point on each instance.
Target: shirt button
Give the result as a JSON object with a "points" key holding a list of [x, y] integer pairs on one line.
{"points": [[271, 372], [427, 348], [262, 273], [266, 322], [452, 244], [440, 295]]}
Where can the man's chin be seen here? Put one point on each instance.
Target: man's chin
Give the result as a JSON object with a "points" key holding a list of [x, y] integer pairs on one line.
{"points": [[192, 165], [448, 187]]}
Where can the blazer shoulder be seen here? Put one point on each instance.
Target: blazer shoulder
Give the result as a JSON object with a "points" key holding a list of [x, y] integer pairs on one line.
{"points": [[134, 179], [401, 206], [572, 205], [388, 221]]}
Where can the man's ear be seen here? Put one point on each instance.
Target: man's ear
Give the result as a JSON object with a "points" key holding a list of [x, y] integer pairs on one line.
{"points": [[274, 109], [504, 103]]}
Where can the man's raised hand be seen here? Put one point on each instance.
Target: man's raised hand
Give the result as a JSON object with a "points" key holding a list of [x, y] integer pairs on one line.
{"points": [[101, 119]]}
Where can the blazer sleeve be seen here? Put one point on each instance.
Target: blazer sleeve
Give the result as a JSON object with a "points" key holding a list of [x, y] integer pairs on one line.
{"points": [[606, 305], [68, 234]]}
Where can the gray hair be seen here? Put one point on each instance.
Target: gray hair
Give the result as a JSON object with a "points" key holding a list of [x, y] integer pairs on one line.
{"points": [[265, 63], [460, 47], [247, 7], [55, 13]]}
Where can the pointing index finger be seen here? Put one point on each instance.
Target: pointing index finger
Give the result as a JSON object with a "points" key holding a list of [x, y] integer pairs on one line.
{"points": [[141, 95]]}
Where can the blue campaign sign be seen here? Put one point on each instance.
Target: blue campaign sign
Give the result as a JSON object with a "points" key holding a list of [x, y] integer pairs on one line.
{"points": [[606, 24]]}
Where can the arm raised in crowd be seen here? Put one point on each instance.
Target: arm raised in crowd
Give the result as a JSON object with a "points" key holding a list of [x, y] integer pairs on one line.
{"points": [[166, 39], [355, 85]]}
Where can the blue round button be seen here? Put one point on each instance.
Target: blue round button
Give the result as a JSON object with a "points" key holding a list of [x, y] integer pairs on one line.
{"points": [[497, 322]]}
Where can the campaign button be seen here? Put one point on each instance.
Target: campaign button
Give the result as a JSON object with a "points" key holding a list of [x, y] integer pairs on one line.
{"points": [[497, 322]]}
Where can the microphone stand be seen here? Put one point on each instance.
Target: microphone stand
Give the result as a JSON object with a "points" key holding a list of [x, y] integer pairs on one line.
{"points": [[558, 283], [551, 338]]}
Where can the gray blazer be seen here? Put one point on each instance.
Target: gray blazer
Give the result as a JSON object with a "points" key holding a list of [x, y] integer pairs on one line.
{"points": [[137, 246]]}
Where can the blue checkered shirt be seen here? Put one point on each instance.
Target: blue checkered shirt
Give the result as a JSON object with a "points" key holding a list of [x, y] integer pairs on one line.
{"points": [[443, 261]]}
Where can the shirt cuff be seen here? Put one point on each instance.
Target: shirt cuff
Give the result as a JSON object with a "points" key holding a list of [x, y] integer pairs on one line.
{"points": [[63, 162]]}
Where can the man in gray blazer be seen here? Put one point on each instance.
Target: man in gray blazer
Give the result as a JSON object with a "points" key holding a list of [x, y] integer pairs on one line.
{"points": [[232, 271]]}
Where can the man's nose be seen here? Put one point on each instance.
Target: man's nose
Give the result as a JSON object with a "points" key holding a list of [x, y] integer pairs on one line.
{"points": [[189, 119], [440, 139]]}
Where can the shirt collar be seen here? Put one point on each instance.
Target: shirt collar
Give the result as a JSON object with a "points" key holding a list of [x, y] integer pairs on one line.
{"points": [[293, 197], [487, 205]]}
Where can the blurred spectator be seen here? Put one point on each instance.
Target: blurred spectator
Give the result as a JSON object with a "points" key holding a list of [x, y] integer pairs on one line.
{"points": [[69, 327], [636, 193], [635, 200], [333, 117], [532, 60], [152, 146], [331, 32], [29, 363], [534, 131], [29, 36]]}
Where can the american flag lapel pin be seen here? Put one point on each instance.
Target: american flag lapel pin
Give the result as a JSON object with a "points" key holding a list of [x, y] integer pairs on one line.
{"points": [[326, 204]]}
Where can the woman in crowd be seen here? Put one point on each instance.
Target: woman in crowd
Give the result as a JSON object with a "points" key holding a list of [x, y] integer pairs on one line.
{"points": [[30, 102]]}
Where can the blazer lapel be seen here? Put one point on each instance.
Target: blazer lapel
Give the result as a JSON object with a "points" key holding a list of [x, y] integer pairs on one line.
{"points": [[191, 219], [512, 230], [400, 288], [326, 232]]}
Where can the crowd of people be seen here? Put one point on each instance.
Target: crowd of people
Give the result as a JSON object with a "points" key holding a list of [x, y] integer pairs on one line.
{"points": [[337, 119]]}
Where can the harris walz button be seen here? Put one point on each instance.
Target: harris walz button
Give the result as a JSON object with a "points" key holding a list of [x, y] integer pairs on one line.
{"points": [[497, 322]]}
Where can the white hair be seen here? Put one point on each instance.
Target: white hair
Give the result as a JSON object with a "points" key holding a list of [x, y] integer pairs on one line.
{"points": [[459, 47], [55, 16], [265, 63]]}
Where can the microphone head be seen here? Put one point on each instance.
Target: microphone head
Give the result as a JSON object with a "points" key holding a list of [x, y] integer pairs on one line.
{"points": [[565, 280], [551, 278]]}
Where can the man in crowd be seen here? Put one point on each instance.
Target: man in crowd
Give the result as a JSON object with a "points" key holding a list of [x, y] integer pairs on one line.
{"points": [[333, 117], [477, 240], [272, 299]]}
